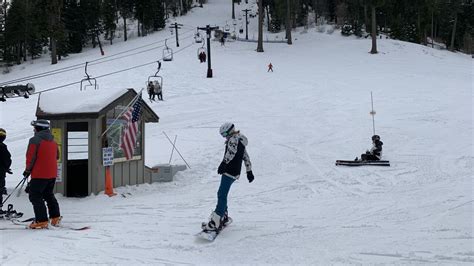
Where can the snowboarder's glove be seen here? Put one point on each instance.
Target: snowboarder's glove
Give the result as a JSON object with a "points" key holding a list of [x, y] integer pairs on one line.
{"points": [[250, 176], [222, 168], [10, 171], [26, 173]]}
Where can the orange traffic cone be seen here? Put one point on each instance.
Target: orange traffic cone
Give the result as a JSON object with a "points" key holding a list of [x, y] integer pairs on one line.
{"points": [[109, 187]]}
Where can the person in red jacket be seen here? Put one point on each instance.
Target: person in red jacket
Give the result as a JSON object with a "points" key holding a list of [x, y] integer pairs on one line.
{"points": [[41, 164]]}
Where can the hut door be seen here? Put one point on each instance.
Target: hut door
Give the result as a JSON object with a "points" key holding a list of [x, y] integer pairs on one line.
{"points": [[77, 173]]}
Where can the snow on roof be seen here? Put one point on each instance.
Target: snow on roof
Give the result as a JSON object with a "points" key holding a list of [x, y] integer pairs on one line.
{"points": [[77, 101]]}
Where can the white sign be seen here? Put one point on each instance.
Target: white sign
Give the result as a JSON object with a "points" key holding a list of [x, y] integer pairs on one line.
{"points": [[108, 156], [59, 178]]}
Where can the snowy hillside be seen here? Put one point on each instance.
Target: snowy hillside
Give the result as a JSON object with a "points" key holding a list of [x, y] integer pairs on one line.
{"points": [[312, 110]]}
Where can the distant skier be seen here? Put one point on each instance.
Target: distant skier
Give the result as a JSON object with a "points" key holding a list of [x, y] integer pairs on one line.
{"points": [[5, 163], [230, 167], [41, 163], [375, 153], [270, 67]]}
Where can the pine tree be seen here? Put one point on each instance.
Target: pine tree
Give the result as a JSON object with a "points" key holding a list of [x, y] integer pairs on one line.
{"points": [[74, 25], [125, 8], [109, 14]]}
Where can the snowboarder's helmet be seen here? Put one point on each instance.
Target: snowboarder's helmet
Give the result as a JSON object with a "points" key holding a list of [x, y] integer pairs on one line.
{"points": [[3, 135], [226, 129], [40, 124], [375, 138]]}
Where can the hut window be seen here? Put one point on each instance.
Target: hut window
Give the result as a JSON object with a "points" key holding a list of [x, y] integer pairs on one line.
{"points": [[114, 135]]}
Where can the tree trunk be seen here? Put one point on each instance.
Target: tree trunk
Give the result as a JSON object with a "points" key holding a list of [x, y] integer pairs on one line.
{"points": [[260, 27], [453, 35], [366, 19], [268, 18], [432, 28], [54, 56], [288, 23], [374, 32], [233, 9], [125, 29]]}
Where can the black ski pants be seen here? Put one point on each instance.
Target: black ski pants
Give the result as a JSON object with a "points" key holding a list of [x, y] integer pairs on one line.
{"points": [[368, 157], [2, 187], [41, 190]]}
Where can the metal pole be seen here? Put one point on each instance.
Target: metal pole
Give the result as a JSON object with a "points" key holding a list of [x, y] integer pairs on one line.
{"points": [[372, 113], [209, 69], [246, 24], [176, 31], [172, 150], [176, 150]]}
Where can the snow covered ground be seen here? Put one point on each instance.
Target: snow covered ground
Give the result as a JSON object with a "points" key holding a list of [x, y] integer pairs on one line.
{"points": [[301, 208]]}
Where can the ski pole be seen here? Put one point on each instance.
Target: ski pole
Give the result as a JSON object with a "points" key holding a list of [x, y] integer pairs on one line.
{"points": [[21, 182], [20, 189]]}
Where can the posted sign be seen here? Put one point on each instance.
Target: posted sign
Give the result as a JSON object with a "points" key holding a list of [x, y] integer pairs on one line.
{"points": [[108, 156]]}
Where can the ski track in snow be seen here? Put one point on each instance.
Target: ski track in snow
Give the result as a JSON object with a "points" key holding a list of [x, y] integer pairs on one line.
{"points": [[301, 208]]}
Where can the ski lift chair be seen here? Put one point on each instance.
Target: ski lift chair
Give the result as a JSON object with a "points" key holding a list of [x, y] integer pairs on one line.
{"points": [[92, 81], [200, 50], [167, 53], [198, 38], [156, 77], [226, 27]]}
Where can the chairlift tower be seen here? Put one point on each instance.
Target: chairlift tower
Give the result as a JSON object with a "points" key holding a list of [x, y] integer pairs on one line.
{"points": [[246, 23], [208, 30], [176, 26]]}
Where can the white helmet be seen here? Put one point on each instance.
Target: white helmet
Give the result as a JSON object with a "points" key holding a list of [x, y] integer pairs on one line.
{"points": [[226, 129]]}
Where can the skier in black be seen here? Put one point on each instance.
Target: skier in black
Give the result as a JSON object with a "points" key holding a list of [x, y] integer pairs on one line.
{"points": [[5, 163], [151, 90], [375, 153], [230, 167]]}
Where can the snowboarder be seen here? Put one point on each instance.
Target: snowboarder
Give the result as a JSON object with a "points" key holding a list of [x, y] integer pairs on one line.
{"points": [[158, 91], [375, 153], [270, 67], [41, 163], [5, 163], [230, 167], [151, 91]]}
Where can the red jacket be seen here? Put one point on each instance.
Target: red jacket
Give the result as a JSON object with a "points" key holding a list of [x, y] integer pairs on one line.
{"points": [[42, 155]]}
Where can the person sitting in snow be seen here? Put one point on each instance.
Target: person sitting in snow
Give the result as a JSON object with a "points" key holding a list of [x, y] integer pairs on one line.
{"points": [[375, 153], [230, 167]]}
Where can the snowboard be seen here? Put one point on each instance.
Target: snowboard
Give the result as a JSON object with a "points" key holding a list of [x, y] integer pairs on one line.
{"points": [[212, 235], [361, 163]]}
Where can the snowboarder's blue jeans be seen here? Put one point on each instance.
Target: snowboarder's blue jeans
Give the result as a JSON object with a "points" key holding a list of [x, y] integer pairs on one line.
{"points": [[222, 193]]}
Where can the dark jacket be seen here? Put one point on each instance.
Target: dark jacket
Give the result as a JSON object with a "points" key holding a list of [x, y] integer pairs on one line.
{"points": [[235, 153], [377, 149], [5, 159], [42, 155]]}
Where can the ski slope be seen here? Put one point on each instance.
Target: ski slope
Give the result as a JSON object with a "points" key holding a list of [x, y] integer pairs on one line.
{"points": [[312, 110]]}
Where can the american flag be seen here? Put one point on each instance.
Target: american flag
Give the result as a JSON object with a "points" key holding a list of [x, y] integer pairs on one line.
{"points": [[129, 134]]}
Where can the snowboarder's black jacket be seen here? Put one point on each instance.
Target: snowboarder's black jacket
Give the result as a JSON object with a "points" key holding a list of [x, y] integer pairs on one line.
{"points": [[5, 160], [235, 152]]}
